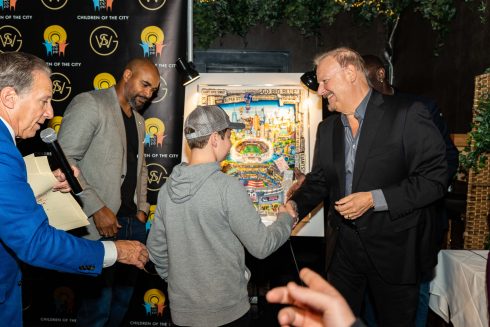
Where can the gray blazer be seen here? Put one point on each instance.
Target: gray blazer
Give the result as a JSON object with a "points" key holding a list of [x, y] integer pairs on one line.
{"points": [[93, 138]]}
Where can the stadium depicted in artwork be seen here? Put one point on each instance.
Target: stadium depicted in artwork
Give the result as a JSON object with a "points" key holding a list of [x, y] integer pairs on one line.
{"points": [[270, 145]]}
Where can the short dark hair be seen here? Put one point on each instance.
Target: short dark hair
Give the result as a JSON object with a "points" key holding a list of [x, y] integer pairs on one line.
{"points": [[200, 142], [372, 61], [16, 70]]}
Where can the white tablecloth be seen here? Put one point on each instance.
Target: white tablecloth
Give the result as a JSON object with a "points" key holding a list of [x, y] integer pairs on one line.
{"points": [[458, 291]]}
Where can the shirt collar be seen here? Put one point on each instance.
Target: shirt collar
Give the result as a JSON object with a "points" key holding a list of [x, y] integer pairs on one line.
{"points": [[11, 130], [360, 111]]}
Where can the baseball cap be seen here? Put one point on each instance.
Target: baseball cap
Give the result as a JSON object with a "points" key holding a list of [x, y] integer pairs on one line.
{"points": [[205, 120]]}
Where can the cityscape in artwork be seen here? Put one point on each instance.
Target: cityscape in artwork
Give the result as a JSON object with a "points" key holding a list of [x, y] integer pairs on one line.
{"points": [[265, 152]]}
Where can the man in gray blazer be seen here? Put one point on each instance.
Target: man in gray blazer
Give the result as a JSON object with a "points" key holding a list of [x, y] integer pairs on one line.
{"points": [[102, 134]]}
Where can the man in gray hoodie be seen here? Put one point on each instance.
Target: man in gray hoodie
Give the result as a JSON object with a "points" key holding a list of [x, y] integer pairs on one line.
{"points": [[203, 221]]}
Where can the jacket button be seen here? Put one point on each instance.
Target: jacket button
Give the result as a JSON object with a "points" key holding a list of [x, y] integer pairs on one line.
{"points": [[122, 176], [19, 283]]}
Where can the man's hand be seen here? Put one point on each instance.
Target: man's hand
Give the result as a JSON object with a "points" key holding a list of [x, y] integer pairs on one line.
{"points": [[289, 208], [319, 304], [62, 184], [141, 216], [300, 178], [106, 222], [132, 253], [354, 205]]}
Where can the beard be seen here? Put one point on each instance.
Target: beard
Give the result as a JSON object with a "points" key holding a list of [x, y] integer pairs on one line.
{"points": [[138, 105]]}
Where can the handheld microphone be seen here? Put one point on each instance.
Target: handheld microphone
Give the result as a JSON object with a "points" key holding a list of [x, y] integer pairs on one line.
{"points": [[49, 137]]}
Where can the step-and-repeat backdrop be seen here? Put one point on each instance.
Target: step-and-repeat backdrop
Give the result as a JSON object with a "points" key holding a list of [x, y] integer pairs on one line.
{"points": [[87, 44]]}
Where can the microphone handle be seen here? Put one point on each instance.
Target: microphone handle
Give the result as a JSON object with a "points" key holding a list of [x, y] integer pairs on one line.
{"points": [[66, 168]]}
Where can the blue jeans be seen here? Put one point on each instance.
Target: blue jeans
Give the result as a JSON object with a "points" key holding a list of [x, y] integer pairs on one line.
{"points": [[105, 299], [423, 308]]}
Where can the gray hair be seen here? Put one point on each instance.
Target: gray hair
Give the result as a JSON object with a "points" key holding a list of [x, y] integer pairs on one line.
{"points": [[344, 56], [16, 70]]}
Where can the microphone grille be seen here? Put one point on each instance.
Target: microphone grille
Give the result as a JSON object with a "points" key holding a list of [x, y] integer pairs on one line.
{"points": [[48, 135]]}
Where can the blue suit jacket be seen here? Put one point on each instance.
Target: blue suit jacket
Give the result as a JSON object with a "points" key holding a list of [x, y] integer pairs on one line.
{"points": [[25, 235]]}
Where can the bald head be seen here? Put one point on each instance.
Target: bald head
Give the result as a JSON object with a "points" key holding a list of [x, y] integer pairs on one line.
{"points": [[137, 64], [138, 85]]}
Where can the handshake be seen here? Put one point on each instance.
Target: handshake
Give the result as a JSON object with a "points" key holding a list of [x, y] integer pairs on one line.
{"points": [[132, 253]]}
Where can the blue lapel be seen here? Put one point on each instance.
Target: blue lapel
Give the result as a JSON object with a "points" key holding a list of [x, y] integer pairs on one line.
{"points": [[8, 145]]}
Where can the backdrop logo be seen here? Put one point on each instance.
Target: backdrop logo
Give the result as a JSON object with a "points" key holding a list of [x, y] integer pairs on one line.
{"points": [[55, 40], [162, 91], [152, 4], [104, 81], [61, 87], [154, 302], [10, 38], [103, 40], [102, 4], [64, 300], [55, 123], [157, 175], [8, 4], [155, 129], [54, 4], [152, 41]]}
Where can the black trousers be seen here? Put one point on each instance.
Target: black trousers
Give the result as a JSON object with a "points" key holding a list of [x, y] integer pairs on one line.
{"points": [[352, 272], [243, 321]]}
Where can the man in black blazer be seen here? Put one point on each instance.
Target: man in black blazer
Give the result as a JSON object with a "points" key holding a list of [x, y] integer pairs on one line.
{"points": [[380, 164], [376, 75]]}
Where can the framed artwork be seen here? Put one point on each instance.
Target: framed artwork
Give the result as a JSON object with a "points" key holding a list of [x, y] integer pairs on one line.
{"points": [[264, 153], [280, 117]]}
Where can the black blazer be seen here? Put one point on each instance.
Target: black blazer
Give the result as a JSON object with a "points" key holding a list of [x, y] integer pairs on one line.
{"points": [[401, 152], [452, 154]]}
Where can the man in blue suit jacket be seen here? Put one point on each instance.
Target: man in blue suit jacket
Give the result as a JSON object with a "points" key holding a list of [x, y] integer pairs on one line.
{"points": [[25, 234]]}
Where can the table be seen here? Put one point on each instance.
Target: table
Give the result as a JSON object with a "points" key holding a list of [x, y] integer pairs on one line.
{"points": [[458, 290]]}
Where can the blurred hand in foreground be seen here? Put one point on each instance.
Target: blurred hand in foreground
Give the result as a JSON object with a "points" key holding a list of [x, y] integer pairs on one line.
{"points": [[318, 304]]}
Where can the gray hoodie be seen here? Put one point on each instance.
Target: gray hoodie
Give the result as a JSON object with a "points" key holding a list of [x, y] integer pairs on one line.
{"points": [[203, 221]]}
